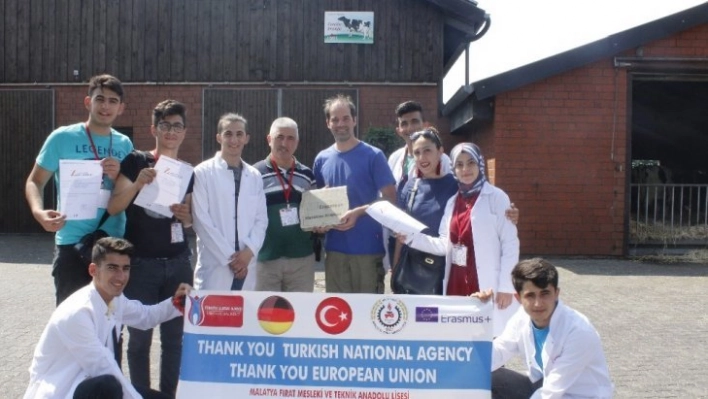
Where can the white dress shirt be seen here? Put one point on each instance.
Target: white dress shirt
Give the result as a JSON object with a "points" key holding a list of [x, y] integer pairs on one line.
{"points": [[573, 359], [77, 342], [215, 219]]}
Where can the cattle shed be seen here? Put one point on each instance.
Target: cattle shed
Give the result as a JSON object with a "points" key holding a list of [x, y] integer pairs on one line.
{"points": [[601, 146], [261, 58]]}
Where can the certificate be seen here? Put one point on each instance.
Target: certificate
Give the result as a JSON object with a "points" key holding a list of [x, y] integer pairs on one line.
{"points": [[168, 188], [323, 207], [79, 188], [394, 218]]}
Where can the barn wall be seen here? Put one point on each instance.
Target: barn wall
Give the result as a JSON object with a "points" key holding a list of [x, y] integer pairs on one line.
{"points": [[376, 109], [214, 41]]}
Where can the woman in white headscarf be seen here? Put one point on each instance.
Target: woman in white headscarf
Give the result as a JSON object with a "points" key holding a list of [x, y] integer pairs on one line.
{"points": [[480, 244]]}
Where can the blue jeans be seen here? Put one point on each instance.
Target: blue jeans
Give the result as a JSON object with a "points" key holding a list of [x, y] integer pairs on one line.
{"points": [[237, 284], [153, 280]]}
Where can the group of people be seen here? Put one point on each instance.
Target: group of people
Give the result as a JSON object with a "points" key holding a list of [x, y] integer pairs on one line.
{"points": [[249, 238]]}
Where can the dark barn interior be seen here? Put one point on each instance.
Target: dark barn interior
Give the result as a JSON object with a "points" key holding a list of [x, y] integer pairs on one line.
{"points": [[669, 163], [670, 124]]}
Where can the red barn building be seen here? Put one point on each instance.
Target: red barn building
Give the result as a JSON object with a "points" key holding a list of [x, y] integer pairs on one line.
{"points": [[601, 146]]}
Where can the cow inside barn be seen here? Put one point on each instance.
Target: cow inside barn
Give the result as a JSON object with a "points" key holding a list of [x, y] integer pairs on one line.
{"points": [[650, 195]]}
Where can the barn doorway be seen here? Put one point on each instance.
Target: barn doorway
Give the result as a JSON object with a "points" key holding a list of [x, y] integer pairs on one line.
{"points": [[669, 167]]}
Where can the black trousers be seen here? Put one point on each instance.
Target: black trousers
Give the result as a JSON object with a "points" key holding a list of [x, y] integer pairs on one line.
{"points": [[107, 386], [102, 387], [510, 384], [69, 271]]}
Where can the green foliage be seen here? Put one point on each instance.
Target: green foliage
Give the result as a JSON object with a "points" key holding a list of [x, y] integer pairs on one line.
{"points": [[385, 138]]}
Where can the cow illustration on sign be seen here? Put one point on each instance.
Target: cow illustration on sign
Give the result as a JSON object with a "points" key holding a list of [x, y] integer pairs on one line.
{"points": [[357, 25]]}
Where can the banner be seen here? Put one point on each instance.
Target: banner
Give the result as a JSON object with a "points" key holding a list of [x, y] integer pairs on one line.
{"points": [[244, 344]]}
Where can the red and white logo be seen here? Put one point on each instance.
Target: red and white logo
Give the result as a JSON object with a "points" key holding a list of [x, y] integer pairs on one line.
{"points": [[216, 311], [333, 315], [389, 315]]}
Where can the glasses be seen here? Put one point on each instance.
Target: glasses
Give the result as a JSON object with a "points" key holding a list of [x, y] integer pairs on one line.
{"points": [[166, 127]]}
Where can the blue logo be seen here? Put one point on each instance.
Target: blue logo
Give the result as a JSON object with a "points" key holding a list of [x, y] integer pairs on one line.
{"points": [[426, 314]]}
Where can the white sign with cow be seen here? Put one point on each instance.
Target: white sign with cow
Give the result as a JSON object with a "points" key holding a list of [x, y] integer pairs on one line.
{"points": [[349, 27]]}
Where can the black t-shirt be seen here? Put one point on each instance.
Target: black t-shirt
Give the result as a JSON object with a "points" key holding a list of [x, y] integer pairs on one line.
{"points": [[150, 232]]}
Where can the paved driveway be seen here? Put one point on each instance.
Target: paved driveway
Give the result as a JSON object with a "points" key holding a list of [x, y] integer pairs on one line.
{"points": [[653, 319]]}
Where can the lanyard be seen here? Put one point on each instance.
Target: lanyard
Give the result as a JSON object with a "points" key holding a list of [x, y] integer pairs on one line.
{"points": [[93, 146], [286, 190], [155, 155]]}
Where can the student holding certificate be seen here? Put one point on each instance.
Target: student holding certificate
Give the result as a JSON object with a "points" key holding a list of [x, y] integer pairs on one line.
{"points": [[93, 140], [162, 259]]}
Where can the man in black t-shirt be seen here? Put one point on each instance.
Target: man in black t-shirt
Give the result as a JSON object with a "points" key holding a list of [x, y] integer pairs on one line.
{"points": [[162, 259]]}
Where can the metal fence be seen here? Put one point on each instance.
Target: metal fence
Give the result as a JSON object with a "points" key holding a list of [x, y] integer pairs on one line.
{"points": [[669, 212]]}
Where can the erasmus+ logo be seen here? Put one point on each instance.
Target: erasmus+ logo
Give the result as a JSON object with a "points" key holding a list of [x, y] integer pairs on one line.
{"points": [[432, 314], [426, 314]]}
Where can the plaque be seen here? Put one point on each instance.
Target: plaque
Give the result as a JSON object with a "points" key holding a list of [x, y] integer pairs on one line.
{"points": [[323, 207]]}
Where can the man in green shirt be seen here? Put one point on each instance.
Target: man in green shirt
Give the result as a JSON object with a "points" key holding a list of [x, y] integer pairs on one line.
{"points": [[286, 260]]}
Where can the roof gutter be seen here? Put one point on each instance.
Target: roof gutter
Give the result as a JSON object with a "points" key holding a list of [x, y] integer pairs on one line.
{"points": [[466, 89]]}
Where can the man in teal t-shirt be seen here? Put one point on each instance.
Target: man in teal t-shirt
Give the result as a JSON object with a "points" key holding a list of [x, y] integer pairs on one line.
{"points": [[94, 139]]}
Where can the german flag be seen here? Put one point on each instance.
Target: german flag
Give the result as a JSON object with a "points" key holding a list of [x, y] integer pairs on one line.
{"points": [[276, 315]]}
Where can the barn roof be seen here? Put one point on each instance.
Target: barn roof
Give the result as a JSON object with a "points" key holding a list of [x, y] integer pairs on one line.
{"points": [[548, 41], [464, 15]]}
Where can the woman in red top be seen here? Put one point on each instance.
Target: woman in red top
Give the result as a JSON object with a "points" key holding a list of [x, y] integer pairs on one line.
{"points": [[480, 244]]}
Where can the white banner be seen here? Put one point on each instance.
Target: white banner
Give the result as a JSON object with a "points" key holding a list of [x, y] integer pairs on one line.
{"points": [[315, 345]]}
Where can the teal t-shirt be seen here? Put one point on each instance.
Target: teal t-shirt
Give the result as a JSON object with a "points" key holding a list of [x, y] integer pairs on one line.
{"points": [[539, 337], [72, 142], [408, 165]]}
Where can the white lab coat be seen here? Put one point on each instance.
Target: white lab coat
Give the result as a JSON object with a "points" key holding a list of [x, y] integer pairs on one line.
{"points": [[575, 365], [496, 246], [214, 213], [77, 342]]}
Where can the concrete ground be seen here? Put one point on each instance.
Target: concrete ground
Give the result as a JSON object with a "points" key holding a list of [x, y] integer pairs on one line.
{"points": [[652, 318]]}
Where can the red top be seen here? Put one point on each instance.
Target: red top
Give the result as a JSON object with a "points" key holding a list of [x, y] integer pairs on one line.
{"points": [[463, 280]]}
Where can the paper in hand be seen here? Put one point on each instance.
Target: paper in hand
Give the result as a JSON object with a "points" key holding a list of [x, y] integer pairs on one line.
{"points": [[168, 188], [394, 218]]}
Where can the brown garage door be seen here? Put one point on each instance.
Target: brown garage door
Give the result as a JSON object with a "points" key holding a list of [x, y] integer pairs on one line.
{"points": [[26, 119], [305, 106], [260, 107]]}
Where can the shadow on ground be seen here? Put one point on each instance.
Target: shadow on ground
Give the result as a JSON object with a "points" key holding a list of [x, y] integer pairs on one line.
{"points": [[626, 267]]}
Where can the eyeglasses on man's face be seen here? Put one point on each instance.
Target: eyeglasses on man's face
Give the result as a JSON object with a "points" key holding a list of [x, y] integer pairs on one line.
{"points": [[167, 126]]}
